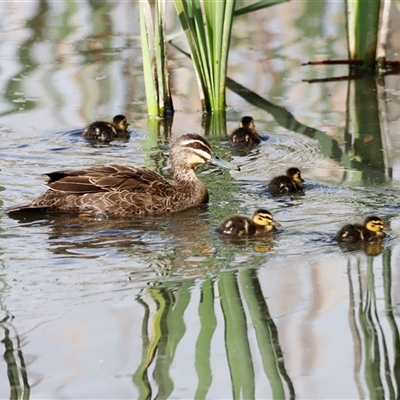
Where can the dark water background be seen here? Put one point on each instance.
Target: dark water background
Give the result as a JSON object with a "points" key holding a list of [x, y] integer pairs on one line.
{"points": [[162, 307]]}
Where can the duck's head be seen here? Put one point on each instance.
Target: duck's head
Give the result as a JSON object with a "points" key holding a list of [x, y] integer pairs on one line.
{"points": [[295, 175], [247, 122], [374, 224], [264, 218], [120, 122], [190, 150]]}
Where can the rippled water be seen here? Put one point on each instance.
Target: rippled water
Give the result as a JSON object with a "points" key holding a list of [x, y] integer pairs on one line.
{"points": [[161, 307]]}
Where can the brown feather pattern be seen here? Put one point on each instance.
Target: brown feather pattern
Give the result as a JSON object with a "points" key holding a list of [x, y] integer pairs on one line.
{"points": [[128, 190]]}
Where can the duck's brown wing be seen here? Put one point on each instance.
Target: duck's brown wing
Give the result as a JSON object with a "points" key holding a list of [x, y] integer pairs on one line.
{"points": [[108, 178], [112, 189]]}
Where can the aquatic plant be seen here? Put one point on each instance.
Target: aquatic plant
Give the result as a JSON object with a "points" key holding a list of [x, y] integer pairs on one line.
{"points": [[207, 25], [158, 93], [362, 30]]}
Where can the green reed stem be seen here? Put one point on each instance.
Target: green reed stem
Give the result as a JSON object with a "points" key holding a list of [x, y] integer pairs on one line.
{"points": [[158, 94], [362, 30]]}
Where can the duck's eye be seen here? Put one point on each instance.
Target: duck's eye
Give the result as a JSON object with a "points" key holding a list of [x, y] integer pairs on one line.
{"points": [[197, 145]]}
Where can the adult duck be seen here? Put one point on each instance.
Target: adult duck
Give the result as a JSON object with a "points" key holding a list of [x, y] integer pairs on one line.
{"points": [[129, 190]]}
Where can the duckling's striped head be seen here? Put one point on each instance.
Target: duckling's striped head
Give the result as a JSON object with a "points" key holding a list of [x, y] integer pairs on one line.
{"points": [[190, 150], [295, 175], [247, 122], [264, 218], [374, 224], [120, 122]]}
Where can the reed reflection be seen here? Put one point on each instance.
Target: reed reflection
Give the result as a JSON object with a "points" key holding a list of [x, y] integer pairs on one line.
{"points": [[13, 355], [16, 367], [366, 133], [235, 295], [367, 146], [375, 333]]}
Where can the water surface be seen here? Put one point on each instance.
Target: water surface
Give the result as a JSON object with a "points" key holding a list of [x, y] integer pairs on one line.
{"points": [[161, 307]]}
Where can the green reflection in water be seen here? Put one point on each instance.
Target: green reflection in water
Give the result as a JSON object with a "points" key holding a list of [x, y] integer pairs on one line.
{"points": [[363, 136], [375, 171], [16, 368], [376, 354], [13, 356], [389, 307], [267, 336], [369, 326], [15, 93], [236, 338], [168, 328], [208, 323]]}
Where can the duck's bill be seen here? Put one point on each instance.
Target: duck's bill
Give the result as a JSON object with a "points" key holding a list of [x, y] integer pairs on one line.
{"points": [[219, 162], [275, 224]]}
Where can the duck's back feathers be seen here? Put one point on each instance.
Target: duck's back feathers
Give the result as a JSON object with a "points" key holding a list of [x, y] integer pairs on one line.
{"points": [[237, 225], [371, 230], [261, 223], [283, 185], [291, 182], [351, 233], [246, 135], [103, 131], [114, 189]]}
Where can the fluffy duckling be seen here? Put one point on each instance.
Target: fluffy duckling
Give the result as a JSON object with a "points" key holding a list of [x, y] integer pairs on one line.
{"points": [[261, 223], [291, 182], [371, 230], [246, 135], [103, 131]]}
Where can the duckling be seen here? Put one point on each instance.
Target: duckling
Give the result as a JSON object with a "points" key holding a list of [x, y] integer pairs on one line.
{"points": [[291, 182], [105, 131], [246, 135], [128, 190], [370, 230], [260, 223]]}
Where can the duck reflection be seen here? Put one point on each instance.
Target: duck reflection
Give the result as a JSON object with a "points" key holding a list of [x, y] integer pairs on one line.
{"points": [[370, 249], [68, 234]]}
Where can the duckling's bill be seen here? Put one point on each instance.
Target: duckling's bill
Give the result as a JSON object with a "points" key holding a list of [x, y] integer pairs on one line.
{"points": [[275, 224], [219, 162]]}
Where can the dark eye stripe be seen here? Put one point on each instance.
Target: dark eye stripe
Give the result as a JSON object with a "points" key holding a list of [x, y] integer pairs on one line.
{"points": [[197, 144]]}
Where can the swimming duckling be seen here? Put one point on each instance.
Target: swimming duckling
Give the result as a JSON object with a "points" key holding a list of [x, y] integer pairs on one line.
{"points": [[371, 230], [261, 223], [103, 131], [245, 136], [291, 182], [128, 190]]}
